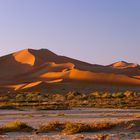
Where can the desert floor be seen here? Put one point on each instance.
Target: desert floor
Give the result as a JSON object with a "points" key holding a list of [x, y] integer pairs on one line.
{"points": [[87, 115]]}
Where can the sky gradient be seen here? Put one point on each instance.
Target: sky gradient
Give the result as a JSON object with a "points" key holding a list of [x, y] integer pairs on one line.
{"points": [[96, 31]]}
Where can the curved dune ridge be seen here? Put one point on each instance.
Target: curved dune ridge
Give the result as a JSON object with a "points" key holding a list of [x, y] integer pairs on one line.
{"points": [[24, 57], [30, 68]]}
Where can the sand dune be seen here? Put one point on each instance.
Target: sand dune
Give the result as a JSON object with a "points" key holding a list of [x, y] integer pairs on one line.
{"points": [[29, 68]]}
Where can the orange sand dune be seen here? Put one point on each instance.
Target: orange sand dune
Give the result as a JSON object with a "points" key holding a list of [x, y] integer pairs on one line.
{"points": [[29, 68]]}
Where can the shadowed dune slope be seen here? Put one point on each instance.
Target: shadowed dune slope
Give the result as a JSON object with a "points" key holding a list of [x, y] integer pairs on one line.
{"points": [[29, 68], [9, 67]]}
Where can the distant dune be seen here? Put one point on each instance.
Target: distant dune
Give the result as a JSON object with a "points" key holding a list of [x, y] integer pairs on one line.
{"points": [[123, 64], [30, 69]]}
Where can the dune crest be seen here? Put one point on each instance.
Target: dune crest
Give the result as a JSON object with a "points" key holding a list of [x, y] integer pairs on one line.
{"points": [[24, 57]]}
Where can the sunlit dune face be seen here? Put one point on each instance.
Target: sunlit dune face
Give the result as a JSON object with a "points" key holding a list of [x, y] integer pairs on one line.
{"points": [[32, 84], [101, 77], [24, 57], [54, 81], [81, 75], [24, 86], [16, 87], [54, 75]]}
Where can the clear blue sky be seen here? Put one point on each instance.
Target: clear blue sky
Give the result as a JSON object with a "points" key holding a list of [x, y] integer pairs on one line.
{"points": [[96, 31]]}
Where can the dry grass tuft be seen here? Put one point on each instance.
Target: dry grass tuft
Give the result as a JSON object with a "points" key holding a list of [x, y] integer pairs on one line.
{"points": [[72, 128], [51, 126], [16, 126]]}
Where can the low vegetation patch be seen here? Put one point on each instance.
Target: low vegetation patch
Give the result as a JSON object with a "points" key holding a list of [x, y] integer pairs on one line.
{"points": [[72, 128], [51, 126], [68, 127], [45, 101], [16, 126]]}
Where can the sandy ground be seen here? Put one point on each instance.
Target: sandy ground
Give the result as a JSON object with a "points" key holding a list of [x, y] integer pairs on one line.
{"points": [[37, 117]]}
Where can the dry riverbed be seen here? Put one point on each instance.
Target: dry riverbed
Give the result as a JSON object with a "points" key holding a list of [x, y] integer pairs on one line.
{"points": [[35, 118]]}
